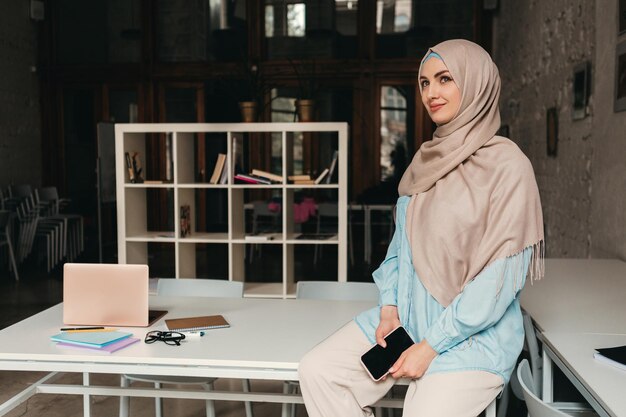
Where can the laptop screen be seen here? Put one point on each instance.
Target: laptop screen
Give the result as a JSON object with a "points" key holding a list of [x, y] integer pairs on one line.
{"points": [[105, 295]]}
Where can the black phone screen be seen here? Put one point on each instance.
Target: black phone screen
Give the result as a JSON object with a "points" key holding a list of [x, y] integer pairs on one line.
{"points": [[378, 360]]}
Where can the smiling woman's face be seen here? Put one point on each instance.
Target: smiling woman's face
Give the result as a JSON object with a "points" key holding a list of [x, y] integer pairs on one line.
{"points": [[440, 94]]}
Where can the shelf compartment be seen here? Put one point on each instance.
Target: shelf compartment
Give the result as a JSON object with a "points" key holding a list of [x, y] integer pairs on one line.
{"points": [[203, 260], [247, 150], [144, 144], [196, 155], [310, 262], [257, 264], [310, 153], [138, 218], [159, 256], [203, 213]]}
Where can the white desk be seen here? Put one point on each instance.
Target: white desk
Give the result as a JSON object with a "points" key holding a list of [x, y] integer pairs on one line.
{"points": [[577, 307], [266, 340], [602, 385], [578, 295]]}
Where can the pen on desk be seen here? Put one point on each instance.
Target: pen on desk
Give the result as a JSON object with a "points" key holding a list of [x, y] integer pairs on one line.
{"points": [[193, 335], [103, 329], [67, 329]]}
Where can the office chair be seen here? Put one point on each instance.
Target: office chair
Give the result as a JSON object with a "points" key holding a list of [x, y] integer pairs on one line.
{"points": [[537, 407], [188, 288]]}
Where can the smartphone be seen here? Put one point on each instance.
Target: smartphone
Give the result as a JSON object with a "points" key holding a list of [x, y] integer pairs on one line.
{"points": [[378, 359]]}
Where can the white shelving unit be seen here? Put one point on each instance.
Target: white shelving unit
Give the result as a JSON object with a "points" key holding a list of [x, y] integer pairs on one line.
{"points": [[132, 208]]}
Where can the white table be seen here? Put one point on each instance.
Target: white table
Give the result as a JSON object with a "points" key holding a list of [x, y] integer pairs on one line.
{"points": [[577, 307], [266, 340], [602, 385], [578, 295]]}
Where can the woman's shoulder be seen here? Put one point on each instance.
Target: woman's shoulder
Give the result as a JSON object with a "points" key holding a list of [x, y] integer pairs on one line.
{"points": [[511, 159]]}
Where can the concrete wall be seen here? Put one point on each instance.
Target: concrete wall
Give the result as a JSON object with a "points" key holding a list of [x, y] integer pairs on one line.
{"points": [[20, 132], [608, 203], [583, 189]]}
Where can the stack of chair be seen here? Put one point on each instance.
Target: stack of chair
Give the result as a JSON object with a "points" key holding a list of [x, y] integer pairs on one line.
{"points": [[5, 240], [48, 197]]}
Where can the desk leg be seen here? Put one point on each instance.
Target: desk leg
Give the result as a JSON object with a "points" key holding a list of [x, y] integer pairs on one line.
{"points": [[547, 378], [86, 397]]}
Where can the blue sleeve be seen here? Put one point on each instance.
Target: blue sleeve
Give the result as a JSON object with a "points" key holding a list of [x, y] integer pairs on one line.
{"points": [[482, 303], [386, 276]]}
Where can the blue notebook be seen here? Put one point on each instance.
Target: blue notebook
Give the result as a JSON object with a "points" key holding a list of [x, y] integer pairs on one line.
{"points": [[94, 339], [110, 348]]}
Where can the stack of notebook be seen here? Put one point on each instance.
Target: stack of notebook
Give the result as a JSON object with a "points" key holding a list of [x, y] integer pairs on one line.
{"points": [[100, 341]]}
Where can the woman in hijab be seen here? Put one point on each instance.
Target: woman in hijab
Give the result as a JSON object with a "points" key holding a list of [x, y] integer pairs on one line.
{"points": [[469, 231]]}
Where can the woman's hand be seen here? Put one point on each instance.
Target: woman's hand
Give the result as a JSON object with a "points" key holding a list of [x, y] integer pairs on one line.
{"points": [[389, 320], [414, 361]]}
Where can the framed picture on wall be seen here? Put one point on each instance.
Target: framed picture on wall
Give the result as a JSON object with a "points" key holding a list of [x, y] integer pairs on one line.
{"points": [[620, 77], [621, 16], [552, 131], [581, 91]]}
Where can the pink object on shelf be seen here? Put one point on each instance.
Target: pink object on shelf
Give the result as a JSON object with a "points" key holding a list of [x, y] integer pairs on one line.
{"points": [[302, 211]]}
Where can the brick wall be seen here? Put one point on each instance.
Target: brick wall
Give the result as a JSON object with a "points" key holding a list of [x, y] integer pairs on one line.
{"points": [[536, 46], [20, 133], [583, 189]]}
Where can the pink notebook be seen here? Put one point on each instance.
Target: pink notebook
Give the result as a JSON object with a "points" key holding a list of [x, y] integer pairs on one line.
{"points": [[110, 348]]}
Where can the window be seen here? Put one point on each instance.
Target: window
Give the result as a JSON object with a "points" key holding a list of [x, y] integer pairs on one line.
{"points": [[346, 13], [393, 16], [393, 132], [284, 110], [285, 18]]}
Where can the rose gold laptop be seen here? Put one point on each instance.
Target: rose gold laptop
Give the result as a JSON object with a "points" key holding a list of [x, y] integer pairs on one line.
{"points": [[106, 295]]}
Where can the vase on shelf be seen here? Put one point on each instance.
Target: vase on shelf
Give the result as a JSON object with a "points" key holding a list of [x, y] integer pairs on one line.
{"points": [[305, 109], [248, 111]]}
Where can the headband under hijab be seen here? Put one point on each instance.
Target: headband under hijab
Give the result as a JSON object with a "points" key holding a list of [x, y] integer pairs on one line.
{"points": [[474, 198], [431, 55]]}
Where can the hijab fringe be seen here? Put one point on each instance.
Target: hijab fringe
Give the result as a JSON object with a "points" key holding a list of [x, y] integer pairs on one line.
{"points": [[535, 271]]}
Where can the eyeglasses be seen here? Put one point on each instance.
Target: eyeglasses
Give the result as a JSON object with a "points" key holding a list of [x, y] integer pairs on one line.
{"points": [[170, 338]]}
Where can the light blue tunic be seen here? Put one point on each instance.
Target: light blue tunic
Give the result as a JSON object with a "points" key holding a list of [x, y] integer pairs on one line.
{"points": [[480, 330]]}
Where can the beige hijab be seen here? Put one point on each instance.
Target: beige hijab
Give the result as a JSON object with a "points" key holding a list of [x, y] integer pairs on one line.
{"points": [[474, 198]]}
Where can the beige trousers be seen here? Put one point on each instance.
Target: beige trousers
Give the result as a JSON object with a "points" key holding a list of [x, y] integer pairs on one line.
{"points": [[334, 384]]}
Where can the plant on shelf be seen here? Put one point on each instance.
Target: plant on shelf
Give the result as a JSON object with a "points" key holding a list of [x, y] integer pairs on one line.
{"points": [[254, 90], [308, 88]]}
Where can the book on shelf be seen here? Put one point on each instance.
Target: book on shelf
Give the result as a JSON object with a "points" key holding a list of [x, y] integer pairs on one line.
{"points": [[129, 167], [252, 179], [136, 163], [259, 237], [224, 176], [304, 182], [185, 220], [321, 176], [615, 356], [268, 175], [219, 167], [153, 182], [299, 177], [187, 324], [332, 168]]}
